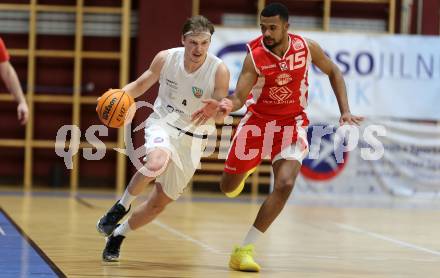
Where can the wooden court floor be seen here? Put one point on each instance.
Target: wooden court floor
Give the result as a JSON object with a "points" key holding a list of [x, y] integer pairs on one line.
{"points": [[193, 238]]}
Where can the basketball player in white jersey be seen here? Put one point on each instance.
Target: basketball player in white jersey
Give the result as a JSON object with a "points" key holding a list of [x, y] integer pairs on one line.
{"points": [[187, 75]]}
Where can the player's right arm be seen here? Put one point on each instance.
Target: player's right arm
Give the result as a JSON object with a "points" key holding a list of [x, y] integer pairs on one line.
{"points": [[246, 81], [9, 76], [148, 78]]}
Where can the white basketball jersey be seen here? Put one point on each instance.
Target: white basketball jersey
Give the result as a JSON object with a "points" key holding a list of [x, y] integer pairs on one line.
{"points": [[181, 93]]}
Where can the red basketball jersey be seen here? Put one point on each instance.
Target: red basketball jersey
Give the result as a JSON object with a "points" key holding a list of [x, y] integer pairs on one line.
{"points": [[281, 89], [4, 55]]}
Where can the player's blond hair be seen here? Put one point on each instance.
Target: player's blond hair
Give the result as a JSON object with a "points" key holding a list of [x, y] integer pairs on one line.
{"points": [[197, 24]]}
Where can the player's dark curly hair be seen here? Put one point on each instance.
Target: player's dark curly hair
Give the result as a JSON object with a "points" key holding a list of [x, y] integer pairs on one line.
{"points": [[275, 9]]}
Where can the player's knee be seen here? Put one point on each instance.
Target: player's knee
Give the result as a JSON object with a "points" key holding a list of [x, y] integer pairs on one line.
{"points": [[284, 186], [152, 170], [226, 188], [227, 184], [156, 165]]}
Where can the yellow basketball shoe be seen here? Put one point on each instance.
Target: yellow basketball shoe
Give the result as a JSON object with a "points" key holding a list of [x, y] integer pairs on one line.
{"points": [[240, 187], [241, 259]]}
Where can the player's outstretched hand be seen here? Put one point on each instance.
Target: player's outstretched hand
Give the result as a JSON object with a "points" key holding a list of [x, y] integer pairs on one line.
{"points": [[348, 118], [209, 110], [225, 106]]}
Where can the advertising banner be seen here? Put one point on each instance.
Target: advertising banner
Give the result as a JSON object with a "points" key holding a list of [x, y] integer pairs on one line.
{"points": [[386, 76], [394, 81]]}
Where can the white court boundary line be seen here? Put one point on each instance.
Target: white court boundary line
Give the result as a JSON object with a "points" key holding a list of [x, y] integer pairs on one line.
{"points": [[386, 238], [304, 256], [188, 238], [2, 232]]}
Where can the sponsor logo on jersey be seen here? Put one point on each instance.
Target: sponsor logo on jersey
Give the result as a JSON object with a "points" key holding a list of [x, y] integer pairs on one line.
{"points": [[268, 67], [283, 79], [172, 109], [171, 83], [198, 93], [298, 44], [283, 65], [279, 94]]}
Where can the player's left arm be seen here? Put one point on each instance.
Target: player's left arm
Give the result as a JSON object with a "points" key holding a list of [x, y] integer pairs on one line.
{"points": [[336, 80], [211, 109]]}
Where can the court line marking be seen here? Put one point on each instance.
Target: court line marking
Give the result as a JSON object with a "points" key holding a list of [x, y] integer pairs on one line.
{"points": [[386, 238], [187, 237], [342, 226], [84, 202], [2, 232], [323, 257], [279, 255]]}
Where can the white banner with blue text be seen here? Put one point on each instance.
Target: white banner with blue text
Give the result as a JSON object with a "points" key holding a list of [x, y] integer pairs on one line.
{"points": [[387, 76], [388, 156]]}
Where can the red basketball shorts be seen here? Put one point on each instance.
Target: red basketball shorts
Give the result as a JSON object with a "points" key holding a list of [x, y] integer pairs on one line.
{"points": [[257, 138]]}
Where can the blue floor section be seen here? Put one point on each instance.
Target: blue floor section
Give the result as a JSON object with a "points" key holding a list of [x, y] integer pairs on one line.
{"points": [[19, 256]]}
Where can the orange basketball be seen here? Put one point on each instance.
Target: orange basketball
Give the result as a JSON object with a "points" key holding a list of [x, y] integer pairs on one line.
{"points": [[113, 108]]}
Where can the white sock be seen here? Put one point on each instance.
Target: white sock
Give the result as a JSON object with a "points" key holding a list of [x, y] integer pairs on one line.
{"points": [[126, 199], [252, 236], [122, 229]]}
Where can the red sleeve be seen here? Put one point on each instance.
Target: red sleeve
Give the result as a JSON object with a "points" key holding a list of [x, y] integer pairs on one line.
{"points": [[4, 55]]}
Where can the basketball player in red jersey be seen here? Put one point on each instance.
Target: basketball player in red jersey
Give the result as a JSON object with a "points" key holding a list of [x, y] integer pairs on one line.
{"points": [[273, 84], [9, 76]]}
